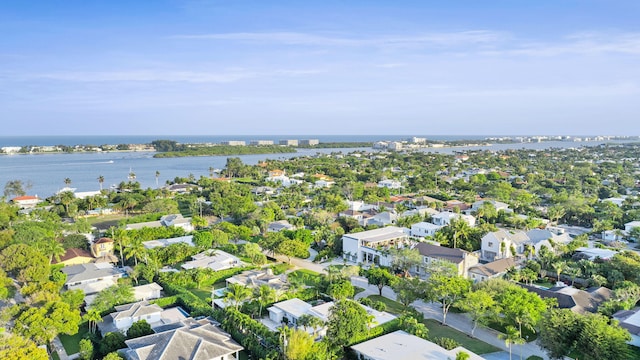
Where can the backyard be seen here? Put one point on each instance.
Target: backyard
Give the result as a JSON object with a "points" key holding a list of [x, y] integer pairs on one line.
{"points": [[71, 343], [393, 307]]}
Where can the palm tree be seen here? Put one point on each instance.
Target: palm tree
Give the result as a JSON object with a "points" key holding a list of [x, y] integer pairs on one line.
{"points": [[127, 203], [67, 181], [559, 266], [511, 337], [237, 293], [122, 240], [157, 176], [53, 249], [66, 198], [135, 249], [460, 229], [92, 317], [211, 170], [265, 295], [100, 181]]}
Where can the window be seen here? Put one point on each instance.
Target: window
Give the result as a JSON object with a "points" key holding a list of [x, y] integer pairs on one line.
{"points": [[490, 244]]}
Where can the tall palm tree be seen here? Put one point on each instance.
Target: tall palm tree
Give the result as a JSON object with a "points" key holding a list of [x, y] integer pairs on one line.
{"points": [[136, 250], [67, 181], [511, 337], [211, 171], [265, 295], [100, 181], [92, 317], [121, 239], [461, 229], [559, 267], [237, 293], [53, 249], [157, 176]]}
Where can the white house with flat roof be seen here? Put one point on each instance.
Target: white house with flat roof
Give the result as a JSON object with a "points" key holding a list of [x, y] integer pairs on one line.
{"points": [[444, 218], [188, 239], [215, 260], [424, 229], [402, 345], [370, 246]]}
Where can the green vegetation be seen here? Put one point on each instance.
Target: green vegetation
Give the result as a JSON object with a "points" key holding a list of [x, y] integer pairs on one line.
{"points": [[393, 307], [71, 343], [436, 330], [220, 150]]}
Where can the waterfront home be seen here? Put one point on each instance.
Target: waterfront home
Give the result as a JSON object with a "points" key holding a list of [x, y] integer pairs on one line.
{"points": [[26, 201], [167, 220]]}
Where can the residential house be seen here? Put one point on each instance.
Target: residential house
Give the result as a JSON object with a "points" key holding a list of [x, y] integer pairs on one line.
{"points": [[444, 218], [507, 243], [424, 229], [102, 247], [167, 220], [421, 211], [497, 204], [215, 260], [193, 340], [26, 201], [125, 315], [147, 292], [182, 188], [612, 235], [463, 260], [402, 345], [501, 244], [452, 205], [280, 225], [390, 184], [256, 278], [91, 278], [594, 253], [371, 246], [630, 225], [492, 270], [357, 215], [74, 256], [579, 301], [382, 219], [293, 309], [630, 320], [188, 239]]}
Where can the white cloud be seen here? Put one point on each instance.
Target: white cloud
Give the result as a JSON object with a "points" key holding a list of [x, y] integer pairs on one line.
{"points": [[295, 38], [169, 76]]}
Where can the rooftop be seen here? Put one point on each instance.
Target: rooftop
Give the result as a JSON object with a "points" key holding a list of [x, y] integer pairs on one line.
{"points": [[441, 252], [402, 345], [376, 235]]}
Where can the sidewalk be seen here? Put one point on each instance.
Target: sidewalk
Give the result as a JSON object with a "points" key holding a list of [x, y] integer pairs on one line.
{"points": [[62, 353], [457, 321]]}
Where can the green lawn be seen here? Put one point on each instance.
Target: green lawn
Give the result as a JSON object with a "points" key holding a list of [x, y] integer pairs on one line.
{"points": [[71, 343], [546, 284], [308, 277], [437, 330], [55, 356], [204, 293], [357, 290], [393, 307]]}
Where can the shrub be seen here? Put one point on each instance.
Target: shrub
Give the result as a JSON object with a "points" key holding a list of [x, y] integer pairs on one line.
{"points": [[447, 343]]}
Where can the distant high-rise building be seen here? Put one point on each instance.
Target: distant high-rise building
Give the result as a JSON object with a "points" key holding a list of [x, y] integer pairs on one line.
{"points": [[261, 142], [234, 143], [289, 142], [309, 142]]}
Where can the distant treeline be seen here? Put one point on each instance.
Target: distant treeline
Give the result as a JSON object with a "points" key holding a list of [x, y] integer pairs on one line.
{"points": [[223, 150]]}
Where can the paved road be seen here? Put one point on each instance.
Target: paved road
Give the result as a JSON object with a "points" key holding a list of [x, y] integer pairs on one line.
{"points": [[457, 321]]}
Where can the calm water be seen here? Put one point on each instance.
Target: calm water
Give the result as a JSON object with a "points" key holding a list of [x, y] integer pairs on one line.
{"points": [[46, 172]]}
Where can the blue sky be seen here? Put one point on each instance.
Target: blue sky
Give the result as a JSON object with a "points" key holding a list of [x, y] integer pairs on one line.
{"points": [[320, 67]]}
